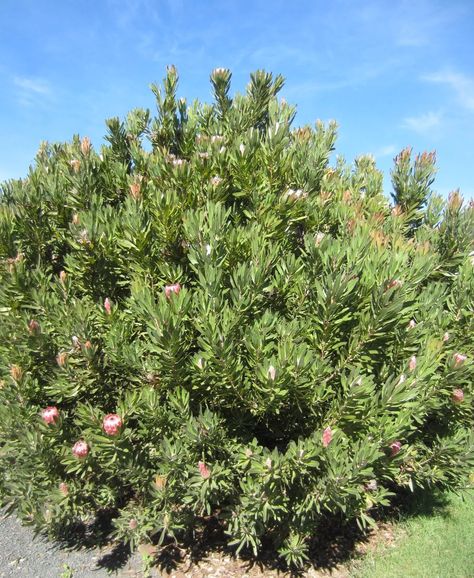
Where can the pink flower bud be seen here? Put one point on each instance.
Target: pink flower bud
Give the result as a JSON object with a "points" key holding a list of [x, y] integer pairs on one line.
{"points": [[108, 306], [62, 276], [169, 289], [327, 437], [204, 470], [80, 449], [87, 345], [63, 488], [457, 396], [216, 181], [16, 372], [271, 373], [446, 337], [33, 327], [112, 424], [85, 145], [50, 414], [459, 359], [61, 358], [412, 363], [412, 324], [133, 524], [394, 283], [395, 447]]}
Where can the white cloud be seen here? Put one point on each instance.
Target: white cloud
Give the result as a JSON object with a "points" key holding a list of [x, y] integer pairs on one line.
{"points": [[31, 91], [386, 151], [423, 122], [461, 84]]}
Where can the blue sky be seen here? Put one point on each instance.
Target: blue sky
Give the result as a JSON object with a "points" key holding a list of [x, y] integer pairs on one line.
{"points": [[392, 73]]}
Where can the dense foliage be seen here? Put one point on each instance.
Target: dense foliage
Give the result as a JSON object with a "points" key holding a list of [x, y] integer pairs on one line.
{"points": [[206, 319]]}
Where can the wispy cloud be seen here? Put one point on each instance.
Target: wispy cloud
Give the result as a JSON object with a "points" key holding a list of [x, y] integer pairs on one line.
{"points": [[385, 151], [461, 84], [31, 90], [422, 123]]}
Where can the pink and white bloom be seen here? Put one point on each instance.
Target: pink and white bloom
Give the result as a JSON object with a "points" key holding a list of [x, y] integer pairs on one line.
{"points": [[133, 524], [80, 449], [327, 437], [459, 359], [50, 414], [395, 447], [63, 488], [457, 396], [108, 306], [412, 363], [112, 424], [204, 470], [169, 289]]}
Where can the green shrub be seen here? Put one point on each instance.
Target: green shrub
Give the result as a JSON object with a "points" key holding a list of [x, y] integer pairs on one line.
{"points": [[206, 320]]}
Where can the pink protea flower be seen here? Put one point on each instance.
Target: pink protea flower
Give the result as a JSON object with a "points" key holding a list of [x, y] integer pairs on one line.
{"points": [[169, 289], [327, 437], [80, 449], [50, 414], [457, 396], [412, 363], [133, 524], [135, 190], [112, 424], [394, 283], [395, 447], [62, 276], [85, 145], [459, 359], [33, 327], [108, 306], [204, 470], [63, 488], [61, 358]]}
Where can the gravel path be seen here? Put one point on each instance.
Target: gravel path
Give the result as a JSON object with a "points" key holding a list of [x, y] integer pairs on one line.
{"points": [[22, 555]]}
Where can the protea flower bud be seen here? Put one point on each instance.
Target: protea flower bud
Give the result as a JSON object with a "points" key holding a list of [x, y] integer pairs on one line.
{"points": [[112, 423], [459, 359], [371, 486], [87, 345], [50, 414], [75, 342], [62, 276], [75, 219], [395, 447], [64, 489], [327, 437], [133, 524], [457, 396], [85, 146], [394, 283], [80, 449], [33, 327], [160, 482], [271, 373], [412, 324], [61, 358], [169, 289], [412, 363], [318, 239], [268, 463], [204, 470], [216, 180], [446, 337], [16, 372], [135, 190], [108, 306], [75, 165]]}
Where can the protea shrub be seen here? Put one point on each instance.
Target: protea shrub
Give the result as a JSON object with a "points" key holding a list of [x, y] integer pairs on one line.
{"points": [[207, 319]]}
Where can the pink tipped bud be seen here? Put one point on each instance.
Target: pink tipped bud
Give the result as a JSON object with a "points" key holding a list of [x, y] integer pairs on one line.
{"points": [[412, 363], [62, 276], [394, 283], [446, 337], [50, 414], [268, 463], [108, 306], [85, 145], [16, 372], [135, 190], [457, 396], [75, 165], [33, 327], [204, 470], [459, 359], [80, 449], [271, 373], [133, 524], [327, 437], [63, 488], [169, 289], [112, 423], [395, 447], [61, 358], [88, 345], [412, 324]]}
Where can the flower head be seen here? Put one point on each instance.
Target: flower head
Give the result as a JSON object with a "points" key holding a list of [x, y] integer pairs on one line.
{"points": [[204, 470], [412, 363], [169, 289], [446, 337], [133, 524], [111, 424], [50, 414], [16, 372], [63, 488], [33, 327], [80, 449], [412, 324], [395, 447], [327, 437], [108, 306], [459, 359], [457, 396], [62, 276]]}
